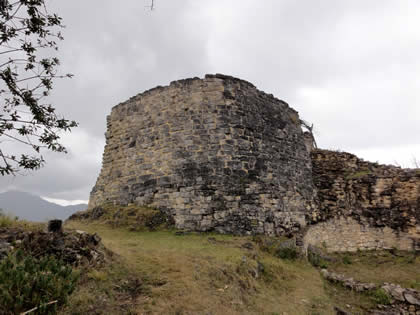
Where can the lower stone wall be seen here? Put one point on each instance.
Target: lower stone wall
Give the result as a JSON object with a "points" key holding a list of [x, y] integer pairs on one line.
{"points": [[346, 234], [382, 195], [363, 205]]}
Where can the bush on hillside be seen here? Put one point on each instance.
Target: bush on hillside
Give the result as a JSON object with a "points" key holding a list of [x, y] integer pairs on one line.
{"points": [[280, 247], [27, 283], [381, 297]]}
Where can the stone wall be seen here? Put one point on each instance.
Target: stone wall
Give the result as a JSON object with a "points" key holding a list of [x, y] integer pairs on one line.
{"points": [[345, 234], [218, 154], [215, 153], [364, 205]]}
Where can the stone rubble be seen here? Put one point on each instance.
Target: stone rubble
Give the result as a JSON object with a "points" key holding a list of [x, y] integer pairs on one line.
{"points": [[404, 301], [77, 248]]}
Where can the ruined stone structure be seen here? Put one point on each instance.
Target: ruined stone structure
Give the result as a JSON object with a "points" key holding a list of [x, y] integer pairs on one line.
{"points": [[215, 153], [364, 205], [218, 154]]}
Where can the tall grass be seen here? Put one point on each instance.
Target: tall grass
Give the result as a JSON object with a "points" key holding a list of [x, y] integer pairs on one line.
{"points": [[6, 219]]}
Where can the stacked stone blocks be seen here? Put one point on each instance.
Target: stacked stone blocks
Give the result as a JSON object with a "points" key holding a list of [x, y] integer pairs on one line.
{"points": [[215, 153]]}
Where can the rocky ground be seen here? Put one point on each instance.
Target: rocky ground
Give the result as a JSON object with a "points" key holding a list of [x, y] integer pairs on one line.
{"points": [[74, 247], [401, 300]]}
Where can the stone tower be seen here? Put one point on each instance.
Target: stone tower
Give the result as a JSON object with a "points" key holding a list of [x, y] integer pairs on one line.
{"points": [[214, 153]]}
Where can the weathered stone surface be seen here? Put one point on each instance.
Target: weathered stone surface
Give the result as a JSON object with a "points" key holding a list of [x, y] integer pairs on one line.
{"points": [[395, 291], [411, 298], [349, 283], [215, 153], [218, 154], [363, 205], [348, 186]]}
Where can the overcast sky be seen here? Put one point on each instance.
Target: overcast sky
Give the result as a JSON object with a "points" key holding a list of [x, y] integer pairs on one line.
{"points": [[350, 67]]}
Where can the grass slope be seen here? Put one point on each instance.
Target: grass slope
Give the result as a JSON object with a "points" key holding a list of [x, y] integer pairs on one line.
{"points": [[162, 271], [167, 272], [198, 274], [393, 266]]}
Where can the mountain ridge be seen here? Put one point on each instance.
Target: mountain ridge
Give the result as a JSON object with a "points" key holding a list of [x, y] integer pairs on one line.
{"points": [[31, 207]]}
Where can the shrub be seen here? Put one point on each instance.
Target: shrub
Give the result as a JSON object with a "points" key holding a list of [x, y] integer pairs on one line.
{"points": [[381, 297], [316, 260], [279, 247], [346, 260], [287, 253], [26, 283]]}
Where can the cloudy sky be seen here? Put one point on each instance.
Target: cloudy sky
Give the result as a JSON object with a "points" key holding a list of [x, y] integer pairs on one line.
{"points": [[350, 67]]}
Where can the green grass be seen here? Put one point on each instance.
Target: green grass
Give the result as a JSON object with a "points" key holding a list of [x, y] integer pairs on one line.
{"points": [[381, 297], [380, 266], [10, 221], [7, 220], [204, 273], [201, 273]]}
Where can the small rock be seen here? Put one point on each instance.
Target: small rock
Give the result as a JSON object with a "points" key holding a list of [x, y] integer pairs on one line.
{"points": [[55, 226], [96, 239], [410, 298], [260, 267], [395, 291], [340, 311], [248, 245]]}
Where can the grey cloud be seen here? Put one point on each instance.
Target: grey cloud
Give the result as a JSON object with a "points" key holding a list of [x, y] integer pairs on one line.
{"points": [[350, 67]]}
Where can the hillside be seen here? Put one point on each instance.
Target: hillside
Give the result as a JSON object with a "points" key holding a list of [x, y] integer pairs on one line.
{"points": [[132, 261], [33, 208], [159, 270], [167, 272]]}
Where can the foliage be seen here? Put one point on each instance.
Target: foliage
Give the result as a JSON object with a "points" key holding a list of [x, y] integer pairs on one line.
{"points": [[316, 260], [26, 282], [381, 297], [347, 260], [279, 247], [287, 253], [28, 35]]}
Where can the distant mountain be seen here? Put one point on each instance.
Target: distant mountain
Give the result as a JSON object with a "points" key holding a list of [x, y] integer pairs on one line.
{"points": [[34, 208]]}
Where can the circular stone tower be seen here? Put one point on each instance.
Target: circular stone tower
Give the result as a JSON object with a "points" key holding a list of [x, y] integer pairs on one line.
{"points": [[214, 153]]}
